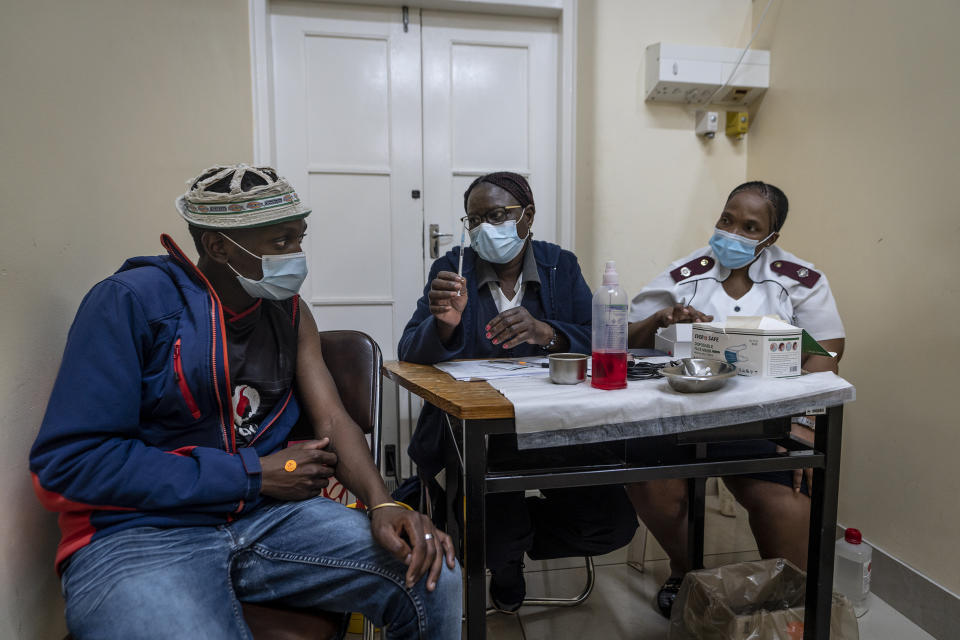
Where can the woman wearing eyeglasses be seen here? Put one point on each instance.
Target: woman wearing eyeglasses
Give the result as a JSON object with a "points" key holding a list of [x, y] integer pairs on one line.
{"points": [[516, 297]]}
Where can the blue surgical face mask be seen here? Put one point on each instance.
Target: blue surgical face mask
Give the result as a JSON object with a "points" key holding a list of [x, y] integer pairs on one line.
{"points": [[283, 274], [497, 243], [732, 250]]}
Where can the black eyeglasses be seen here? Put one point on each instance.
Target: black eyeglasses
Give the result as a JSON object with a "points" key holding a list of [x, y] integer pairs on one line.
{"points": [[497, 215]]}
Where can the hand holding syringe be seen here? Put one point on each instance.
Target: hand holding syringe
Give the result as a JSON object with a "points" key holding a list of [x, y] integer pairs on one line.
{"points": [[447, 298]]}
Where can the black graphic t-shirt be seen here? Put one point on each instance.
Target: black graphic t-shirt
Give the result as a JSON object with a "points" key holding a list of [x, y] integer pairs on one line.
{"points": [[262, 352]]}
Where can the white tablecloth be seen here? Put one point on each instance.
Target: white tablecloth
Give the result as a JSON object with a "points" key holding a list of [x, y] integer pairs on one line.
{"points": [[548, 414]]}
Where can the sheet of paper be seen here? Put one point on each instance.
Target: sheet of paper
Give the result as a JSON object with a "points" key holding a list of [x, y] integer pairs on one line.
{"points": [[494, 369]]}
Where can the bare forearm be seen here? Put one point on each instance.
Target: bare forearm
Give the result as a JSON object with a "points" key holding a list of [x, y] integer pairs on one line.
{"points": [[355, 468], [819, 363], [814, 363], [640, 334], [321, 402], [445, 331]]}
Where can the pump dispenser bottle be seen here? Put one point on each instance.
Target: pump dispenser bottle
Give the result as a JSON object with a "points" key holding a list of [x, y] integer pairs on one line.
{"points": [[610, 306]]}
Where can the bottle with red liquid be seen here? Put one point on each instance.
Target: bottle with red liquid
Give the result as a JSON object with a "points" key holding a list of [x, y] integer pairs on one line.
{"points": [[610, 307]]}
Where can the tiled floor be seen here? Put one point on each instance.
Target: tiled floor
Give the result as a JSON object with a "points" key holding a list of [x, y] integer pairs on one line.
{"points": [[621, 605]]}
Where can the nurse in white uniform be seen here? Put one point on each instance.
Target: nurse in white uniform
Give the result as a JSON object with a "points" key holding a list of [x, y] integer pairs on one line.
{"points": [[741, 273]]}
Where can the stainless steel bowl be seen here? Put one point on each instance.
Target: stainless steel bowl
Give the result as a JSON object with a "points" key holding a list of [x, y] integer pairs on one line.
{"points": [[696, 375], [568, 368]]}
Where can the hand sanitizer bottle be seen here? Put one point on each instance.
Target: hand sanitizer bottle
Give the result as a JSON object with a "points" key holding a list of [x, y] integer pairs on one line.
{"points": [[851, 569], [610, 306]]}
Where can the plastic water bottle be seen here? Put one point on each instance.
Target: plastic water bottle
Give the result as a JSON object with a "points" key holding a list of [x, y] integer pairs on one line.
{"points": [[851, 569], [610, 306]]}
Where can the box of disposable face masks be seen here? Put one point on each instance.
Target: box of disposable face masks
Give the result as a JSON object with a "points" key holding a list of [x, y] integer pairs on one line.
{"points": [[756, 345]]}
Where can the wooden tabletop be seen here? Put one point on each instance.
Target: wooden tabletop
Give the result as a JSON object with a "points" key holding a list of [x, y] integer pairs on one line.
{"points": [[464, 400]]}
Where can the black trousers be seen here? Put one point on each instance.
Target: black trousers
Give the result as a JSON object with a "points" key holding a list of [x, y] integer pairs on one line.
{"points": [[580, 521], [577, 521]]}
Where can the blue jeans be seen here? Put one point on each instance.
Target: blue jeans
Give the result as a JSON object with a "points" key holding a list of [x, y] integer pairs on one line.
{"points": [[188, 582]]}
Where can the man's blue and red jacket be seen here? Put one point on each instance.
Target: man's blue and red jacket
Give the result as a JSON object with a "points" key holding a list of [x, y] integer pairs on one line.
{"points": [[139, 428]]}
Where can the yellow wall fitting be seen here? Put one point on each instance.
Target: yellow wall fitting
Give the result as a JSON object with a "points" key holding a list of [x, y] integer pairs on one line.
{"points": [[738, 122]]}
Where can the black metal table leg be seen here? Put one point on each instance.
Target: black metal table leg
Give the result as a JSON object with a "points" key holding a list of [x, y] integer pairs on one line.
{"points": [[474, 529], [696, 512], [823, 525]]}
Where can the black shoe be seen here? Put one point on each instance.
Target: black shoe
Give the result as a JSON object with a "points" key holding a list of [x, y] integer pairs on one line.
{"points": [[507, 587], [667, 594]]}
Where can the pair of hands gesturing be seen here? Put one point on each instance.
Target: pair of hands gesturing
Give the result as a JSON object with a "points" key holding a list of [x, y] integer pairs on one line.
{"points": [[448, 299], [680, 314], [407, 535]]}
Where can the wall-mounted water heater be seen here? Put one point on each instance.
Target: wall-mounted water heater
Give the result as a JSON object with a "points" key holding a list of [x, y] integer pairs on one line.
{"points": [[691, 74]]}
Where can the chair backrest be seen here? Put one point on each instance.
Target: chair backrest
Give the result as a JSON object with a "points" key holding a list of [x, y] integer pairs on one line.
{"points": [[354, 361]]}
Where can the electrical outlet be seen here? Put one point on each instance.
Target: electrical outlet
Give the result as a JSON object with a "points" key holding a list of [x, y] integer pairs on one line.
{"points": [[390, 460], [391, 477]]}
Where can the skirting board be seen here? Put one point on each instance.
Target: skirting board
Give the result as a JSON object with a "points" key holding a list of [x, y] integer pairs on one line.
{"points": [[925, 603]]}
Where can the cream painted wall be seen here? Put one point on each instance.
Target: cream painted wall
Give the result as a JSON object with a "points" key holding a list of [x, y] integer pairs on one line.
{"points": [[648, 190], [860, 129], [108, 108]]}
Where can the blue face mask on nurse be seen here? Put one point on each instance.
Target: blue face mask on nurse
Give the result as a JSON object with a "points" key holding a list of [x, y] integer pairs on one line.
{"points": [[740, 235]]}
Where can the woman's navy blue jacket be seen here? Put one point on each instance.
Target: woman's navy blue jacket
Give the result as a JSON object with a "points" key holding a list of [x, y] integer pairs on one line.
{"points": [[563, 301]]}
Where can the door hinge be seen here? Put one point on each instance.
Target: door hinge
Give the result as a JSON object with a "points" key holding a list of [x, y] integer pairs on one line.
{"points": [[406, 19]]}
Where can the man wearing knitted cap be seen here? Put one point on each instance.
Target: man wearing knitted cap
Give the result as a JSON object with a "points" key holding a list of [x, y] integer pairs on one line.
{"points": [[165, 445], [516, 297]]}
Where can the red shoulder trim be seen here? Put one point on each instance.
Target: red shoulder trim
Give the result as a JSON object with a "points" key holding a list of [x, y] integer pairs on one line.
{"points": [[804, 275], [234, 315], [695, 267]]}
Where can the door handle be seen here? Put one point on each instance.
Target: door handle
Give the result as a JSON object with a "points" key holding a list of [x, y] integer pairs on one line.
{"points": [[435, 236]]}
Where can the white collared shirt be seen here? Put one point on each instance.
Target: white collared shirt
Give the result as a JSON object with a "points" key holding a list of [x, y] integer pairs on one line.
{"points": [[503, 303], [812, 308]]}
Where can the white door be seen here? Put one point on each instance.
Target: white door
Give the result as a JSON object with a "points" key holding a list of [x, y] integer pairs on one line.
{"points": [[347, 112], [347, 132], [490, 103], [346, 86]]}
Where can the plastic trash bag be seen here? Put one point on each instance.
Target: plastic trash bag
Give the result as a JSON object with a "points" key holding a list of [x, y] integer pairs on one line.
{"points": [[760, 600]]}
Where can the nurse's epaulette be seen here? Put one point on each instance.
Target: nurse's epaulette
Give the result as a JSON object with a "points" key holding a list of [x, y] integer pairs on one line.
{"points": [[804, 275], [693, 268]]}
